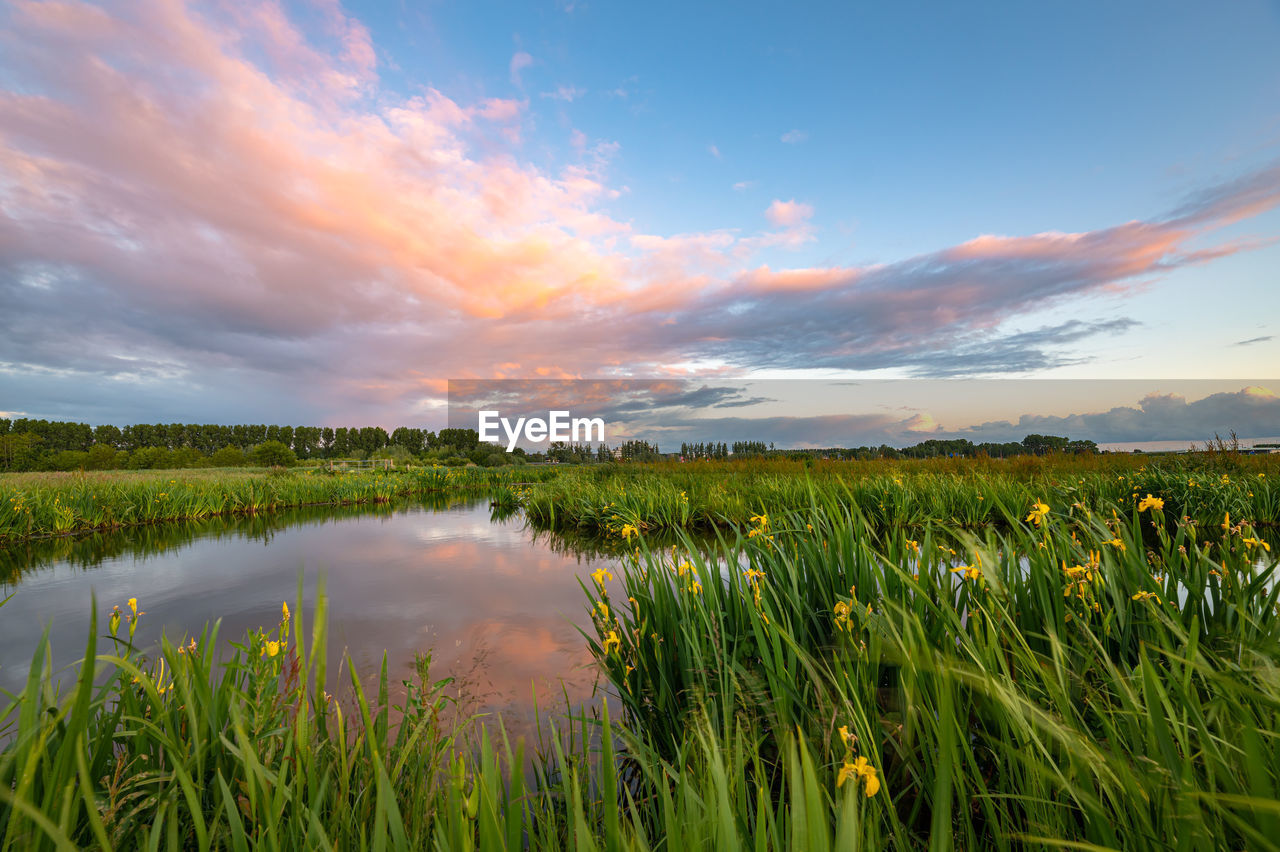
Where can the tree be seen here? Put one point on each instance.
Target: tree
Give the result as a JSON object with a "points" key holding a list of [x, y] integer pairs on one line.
{"points": [[228, 456], [1043, 444], [100, 457], [462, 440], [70, 460], [398, 454], [15, 449], [272, 454]]}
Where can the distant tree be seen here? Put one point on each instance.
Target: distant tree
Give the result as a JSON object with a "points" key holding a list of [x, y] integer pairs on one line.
{"points": [[69, 460], [101, 457], [399, 455], [462, 440], [16, 449], [147, 458], [272, 454], [107, 435], [183, 457], [228, 456], [1044, 444]]}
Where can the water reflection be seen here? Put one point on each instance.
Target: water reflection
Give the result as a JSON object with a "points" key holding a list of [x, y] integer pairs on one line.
{"points": [[499, 608]]}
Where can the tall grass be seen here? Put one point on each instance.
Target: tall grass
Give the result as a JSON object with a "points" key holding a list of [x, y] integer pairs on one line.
{"points": [[709, 495], [188, 752], [1086, 674], [1093, 681], [46, 505]]}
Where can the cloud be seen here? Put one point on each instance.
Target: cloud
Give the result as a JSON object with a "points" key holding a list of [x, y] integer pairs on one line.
{"points": [[568, 94], [519, 61], [788, 214], [713, 151], [1251, 412], [795, 137], [670, 412], [1252, 340], [743, 185], [226, 217]]}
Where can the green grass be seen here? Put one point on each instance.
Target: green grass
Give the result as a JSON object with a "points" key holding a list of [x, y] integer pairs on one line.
{"points": [[1107, 678], [1096, 682], [711, 495], [55, 504]]}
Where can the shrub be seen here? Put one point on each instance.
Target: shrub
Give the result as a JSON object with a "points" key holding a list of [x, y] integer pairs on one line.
{"points": [[228, 456], [272, 454]]}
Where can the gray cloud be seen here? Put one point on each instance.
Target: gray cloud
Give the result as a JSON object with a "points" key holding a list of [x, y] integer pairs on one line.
{"points": [[175, 237]]}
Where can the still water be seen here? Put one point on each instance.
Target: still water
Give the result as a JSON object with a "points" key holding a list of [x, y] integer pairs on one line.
{"points": [[498, 607]]}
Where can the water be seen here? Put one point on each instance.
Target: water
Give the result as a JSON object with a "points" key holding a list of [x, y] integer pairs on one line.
{"points": [[498, 607]]}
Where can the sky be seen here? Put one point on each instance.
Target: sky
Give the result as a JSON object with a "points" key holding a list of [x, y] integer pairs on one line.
{"points": [[321, 212]]}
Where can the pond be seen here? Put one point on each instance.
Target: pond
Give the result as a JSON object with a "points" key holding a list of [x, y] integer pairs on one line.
{"points": [[498, 607]]}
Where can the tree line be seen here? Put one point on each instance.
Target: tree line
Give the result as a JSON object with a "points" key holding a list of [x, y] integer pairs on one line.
{"points": [[30, 444], [1037, 445]]}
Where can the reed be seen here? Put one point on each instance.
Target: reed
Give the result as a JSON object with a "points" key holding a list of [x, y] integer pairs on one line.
{"points": [[711, 495], [41, 505], [1074, 669]]}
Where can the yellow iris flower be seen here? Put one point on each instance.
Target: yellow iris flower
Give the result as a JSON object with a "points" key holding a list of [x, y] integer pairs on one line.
{"points": [[860, 769]]}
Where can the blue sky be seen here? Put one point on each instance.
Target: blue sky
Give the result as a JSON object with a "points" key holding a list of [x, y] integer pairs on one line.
{"points": [[314, 211], [923, 124]]}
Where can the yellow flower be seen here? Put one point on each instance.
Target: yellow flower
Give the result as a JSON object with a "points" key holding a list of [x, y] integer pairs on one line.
{"points": [[133, 605], [968, 572], [1076, 572], [270, 649], [863, 770], [913, 545], [612, 642], [602, 575], [1226, 521], [1037, 513], [1142, 596], [1253, 542], [1115, 542], [628, 530], [284, 610], [1149, 502]]}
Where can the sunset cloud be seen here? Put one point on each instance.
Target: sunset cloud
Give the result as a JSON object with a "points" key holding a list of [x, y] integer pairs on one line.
{"points": [[231, 212], [788, 214]]}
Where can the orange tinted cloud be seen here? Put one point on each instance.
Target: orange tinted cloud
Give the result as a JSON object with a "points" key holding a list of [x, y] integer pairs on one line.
{"points": [[194, 188]]}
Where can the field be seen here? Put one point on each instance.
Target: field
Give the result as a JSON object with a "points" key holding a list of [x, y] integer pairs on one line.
{"points": [[42, 504], [1041, 655]]}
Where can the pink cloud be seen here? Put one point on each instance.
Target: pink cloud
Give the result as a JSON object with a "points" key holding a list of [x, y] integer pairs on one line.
{"points": [[187, 189], [519, 61], [788, 214]]}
